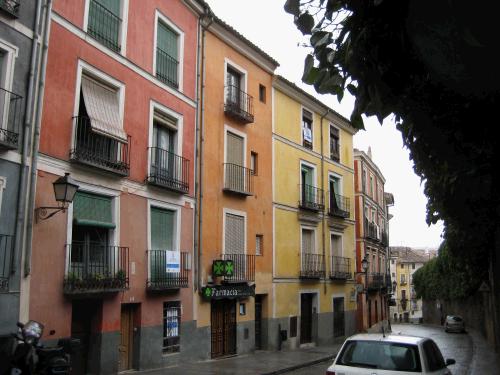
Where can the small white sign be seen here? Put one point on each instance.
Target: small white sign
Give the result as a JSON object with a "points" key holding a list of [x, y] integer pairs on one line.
{"points": [[307, 135], [173, 261]]}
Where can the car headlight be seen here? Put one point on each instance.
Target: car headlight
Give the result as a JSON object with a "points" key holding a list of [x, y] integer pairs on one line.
{"points": [[32, 331]]}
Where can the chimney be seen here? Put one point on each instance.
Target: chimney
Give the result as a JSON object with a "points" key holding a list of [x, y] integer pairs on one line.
{"points": [[370, 152]]}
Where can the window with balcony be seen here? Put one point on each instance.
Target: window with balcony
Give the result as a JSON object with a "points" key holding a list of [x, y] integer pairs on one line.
{"points": [[312, 263], [237, 178], [237, 103], [167, 53], [10, 7], [167, 169], [105, 23], [311, 197], [338, 204], [334, 143], [93, 263], [171, 326], [307, 129], [235, 248], [340, 267], [10, 102], [99, 139]]}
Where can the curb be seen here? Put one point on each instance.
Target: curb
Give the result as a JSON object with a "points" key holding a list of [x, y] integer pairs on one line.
{"points": [[301, 365]]}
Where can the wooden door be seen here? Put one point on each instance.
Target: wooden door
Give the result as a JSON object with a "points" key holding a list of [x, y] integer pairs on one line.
{"points": [[258, 322], [306, 305], [223, 326], [126, 335]]}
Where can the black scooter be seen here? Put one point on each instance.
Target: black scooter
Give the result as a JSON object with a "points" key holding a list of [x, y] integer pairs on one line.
{"points": [[30, 357]]}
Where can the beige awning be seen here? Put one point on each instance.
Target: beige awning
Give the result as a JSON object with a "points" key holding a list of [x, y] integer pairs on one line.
{"points": [[102, 107]]}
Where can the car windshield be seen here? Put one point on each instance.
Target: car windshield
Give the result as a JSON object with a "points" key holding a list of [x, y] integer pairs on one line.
{"points": [[456, 318], [380, 355]]}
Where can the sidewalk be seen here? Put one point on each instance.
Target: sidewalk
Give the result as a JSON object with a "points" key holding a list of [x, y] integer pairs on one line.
{"points": [[484, 359], [258, 363]]}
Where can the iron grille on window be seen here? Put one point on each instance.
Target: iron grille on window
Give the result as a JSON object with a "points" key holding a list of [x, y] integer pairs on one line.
{"points": [[5, 260], [171, 327], [10, 6], [169, 170], [311, 198], [239, 104], [104, 25], [10, 116], [166, 68]]}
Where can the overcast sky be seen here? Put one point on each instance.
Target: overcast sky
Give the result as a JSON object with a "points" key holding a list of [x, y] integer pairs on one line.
{"points": [[265, 23]]}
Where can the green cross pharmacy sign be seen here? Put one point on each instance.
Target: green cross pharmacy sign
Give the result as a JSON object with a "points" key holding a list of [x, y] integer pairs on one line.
{"points": [[222, 268]]}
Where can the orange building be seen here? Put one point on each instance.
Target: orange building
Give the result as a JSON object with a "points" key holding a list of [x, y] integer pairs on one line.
{"points": [[234, 225]]}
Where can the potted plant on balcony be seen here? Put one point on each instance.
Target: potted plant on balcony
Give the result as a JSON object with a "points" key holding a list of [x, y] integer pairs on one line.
{"points": [[120, 278]]}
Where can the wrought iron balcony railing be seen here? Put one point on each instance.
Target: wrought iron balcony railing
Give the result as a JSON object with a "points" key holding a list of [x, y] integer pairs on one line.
{"points": [[96, 268], [371, 231], [311, 198], [167, 270], [168, 170], [244, 267], [99, 151], [376, 281], [104, 26], [338, 205], [6, 253], [238, 179], [167, 68], [10, 7], [238, 105], [10, 117], [340, 268], [312, 266]]}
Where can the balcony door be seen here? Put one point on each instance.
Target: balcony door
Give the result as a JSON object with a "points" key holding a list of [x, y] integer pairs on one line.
{"points": [[234, 245], [307, 181], [165, 259], [235, 161], [233, 80], [163, 165], [334, 187]]}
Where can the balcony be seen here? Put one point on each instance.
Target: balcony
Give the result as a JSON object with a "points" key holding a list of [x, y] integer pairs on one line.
{"points": [[371, 231], [312, 266], [10, 117], [99, 151], [311, 198], [238, 105], [404, 303], [244, 268], [376, 281], [169, 270], [168, 170], [339, 206], [94, 268], [340, 268], [6, 248], [10, 7], [104, 26], [402, 282], [238, 179], [385, 238], [167, 68]]}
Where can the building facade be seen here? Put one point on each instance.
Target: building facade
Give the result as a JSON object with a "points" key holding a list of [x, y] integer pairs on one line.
{"points": [[21, 38], [372, 242], [235, 194], [115, 268], [404, 262], [314, 229]]}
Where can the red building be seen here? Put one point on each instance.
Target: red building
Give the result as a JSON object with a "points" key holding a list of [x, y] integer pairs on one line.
{"points": [[115, 268], [372, 242]]}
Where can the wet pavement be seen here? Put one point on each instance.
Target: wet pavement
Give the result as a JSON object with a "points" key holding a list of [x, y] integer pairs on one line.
{"points": [[472, 354]]}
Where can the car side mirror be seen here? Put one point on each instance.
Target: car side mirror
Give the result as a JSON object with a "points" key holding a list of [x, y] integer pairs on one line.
{"points": [[450, 361]]}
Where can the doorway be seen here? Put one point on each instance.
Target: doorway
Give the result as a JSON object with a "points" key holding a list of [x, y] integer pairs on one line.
{"points": [[223, 326], [125, 349], [258, 322], [338, 317], [306, 317]]}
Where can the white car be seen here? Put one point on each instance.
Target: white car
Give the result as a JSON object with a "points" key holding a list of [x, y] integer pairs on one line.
{"points": [[379, 354], [454, 323]]}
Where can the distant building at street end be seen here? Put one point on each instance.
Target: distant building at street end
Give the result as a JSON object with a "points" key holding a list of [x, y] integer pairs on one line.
{"points": [[403, 264], [372, 240]]}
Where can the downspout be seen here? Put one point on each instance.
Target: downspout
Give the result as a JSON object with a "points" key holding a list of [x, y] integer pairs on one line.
{"points": [[36, 137], [199, 151], [323, 189], [28, 120]]}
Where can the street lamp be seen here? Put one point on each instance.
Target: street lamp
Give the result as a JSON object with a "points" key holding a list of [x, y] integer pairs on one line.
{"points": [[64, 191], [364, 266]]}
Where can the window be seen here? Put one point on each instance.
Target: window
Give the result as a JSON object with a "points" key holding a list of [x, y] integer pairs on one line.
{"points": [[413, 266], [392, 261], [165, 166], [403, 279], [393, 275], [234, 234], [309, 197], [10, 103], [262, 93], [254, 165], [307, 130], [364, 181], [372, 189], [104, 22], [3, 185], [434, 358], [336, 245], [171, 326], [167, 54], [99, 138], [259, 243], [308, 246], [402, 266], [164, 254], [334, 143], [235, 171], [233, 81]]}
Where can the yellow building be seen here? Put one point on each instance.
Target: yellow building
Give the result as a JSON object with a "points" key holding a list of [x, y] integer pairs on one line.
{"points": [[314, 228]]}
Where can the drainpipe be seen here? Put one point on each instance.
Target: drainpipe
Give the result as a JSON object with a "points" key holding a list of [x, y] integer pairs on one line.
{"points": [[28, 118], [199, 150], [323, 188], [36, 137]]}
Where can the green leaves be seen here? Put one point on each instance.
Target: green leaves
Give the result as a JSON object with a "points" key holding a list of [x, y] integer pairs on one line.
{"points": [[292, 7], [305, 23]]}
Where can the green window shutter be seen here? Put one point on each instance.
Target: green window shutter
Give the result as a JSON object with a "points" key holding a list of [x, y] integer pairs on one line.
{"points": [[162, 229], [104, 22], [94, 210], [167, 40], [112, 5]]}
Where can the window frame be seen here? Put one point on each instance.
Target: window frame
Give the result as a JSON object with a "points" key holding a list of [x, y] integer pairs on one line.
{"points": [[177, 305], [243, 214], [122, 35], [259, 238], [3, 186], [262, 93], [160, 17], [314, 247], [302, 140], [243, 79], [330, 142], [254, 159]]}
